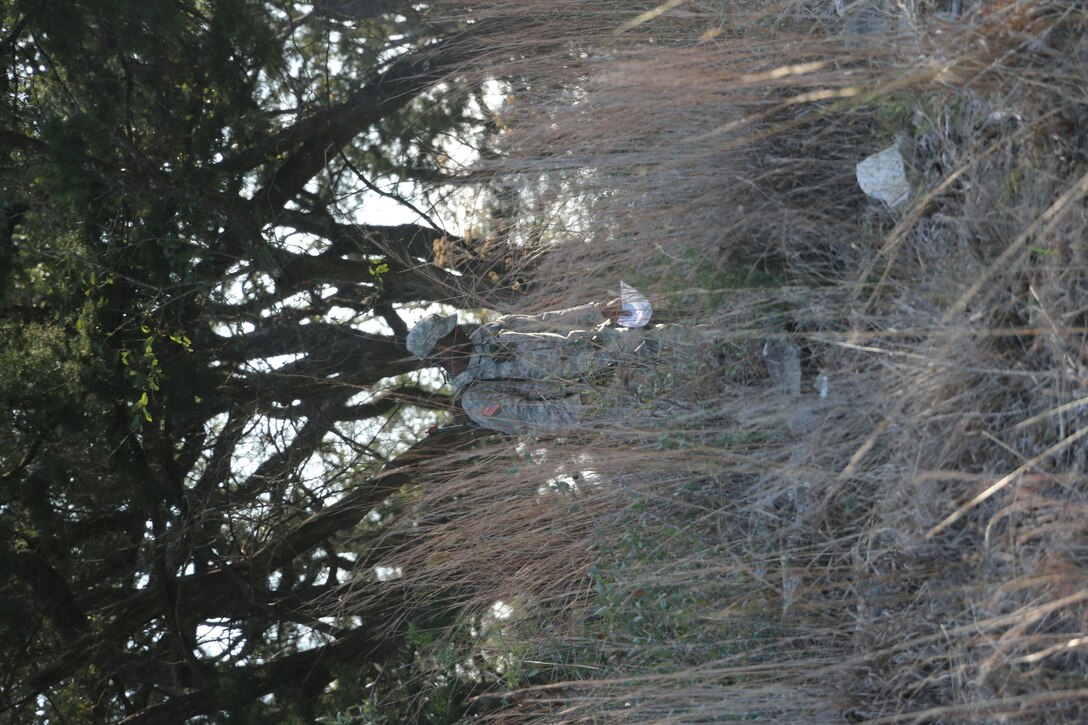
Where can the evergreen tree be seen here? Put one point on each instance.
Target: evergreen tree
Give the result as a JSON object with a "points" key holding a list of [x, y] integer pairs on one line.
{"points": [[191, 413]]}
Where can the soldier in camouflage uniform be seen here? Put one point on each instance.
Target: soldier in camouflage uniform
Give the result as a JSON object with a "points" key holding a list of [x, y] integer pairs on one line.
{"points": [[537, 373], [530, 374]]}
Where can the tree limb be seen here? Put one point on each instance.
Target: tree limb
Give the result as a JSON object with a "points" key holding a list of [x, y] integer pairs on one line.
{"points": [[52, 591], [364, 497], [311, 142], [409, 240]]}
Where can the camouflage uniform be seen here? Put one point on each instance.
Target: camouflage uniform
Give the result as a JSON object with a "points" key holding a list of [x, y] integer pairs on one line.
{"points": [[541, 373]]}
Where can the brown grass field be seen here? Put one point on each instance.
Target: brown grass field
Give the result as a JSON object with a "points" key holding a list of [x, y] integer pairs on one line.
{"points": [[911, 548]]}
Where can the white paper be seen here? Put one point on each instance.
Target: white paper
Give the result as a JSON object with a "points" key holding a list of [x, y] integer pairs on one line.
{"points": [[637, 310]]}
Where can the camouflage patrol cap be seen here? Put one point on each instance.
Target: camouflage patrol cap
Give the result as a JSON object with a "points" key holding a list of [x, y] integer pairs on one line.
{"points": [[423, 337]]}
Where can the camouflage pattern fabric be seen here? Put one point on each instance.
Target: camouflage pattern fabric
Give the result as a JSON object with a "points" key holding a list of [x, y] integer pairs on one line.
{"points": [[515, 408], [530, 374], [423, 337]]}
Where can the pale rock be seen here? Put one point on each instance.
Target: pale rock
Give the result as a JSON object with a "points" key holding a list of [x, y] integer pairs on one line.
{"points": [[883, 176]]}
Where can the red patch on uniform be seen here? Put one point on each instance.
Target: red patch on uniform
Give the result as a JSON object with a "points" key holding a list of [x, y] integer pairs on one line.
{"points": [[490, 409]]}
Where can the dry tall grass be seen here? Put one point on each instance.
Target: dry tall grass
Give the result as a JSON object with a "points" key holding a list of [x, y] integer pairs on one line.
{"points": [[914, 546]]}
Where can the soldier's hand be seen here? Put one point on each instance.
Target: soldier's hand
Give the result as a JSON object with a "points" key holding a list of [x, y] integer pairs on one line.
{"points": [[613, 310]]}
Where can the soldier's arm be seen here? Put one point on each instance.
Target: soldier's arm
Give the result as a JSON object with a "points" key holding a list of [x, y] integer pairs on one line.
{"points": [[499, 408], [572, 318]]}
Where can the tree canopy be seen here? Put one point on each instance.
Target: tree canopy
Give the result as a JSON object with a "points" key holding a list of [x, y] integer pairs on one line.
{"points": [[202, 351]]}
